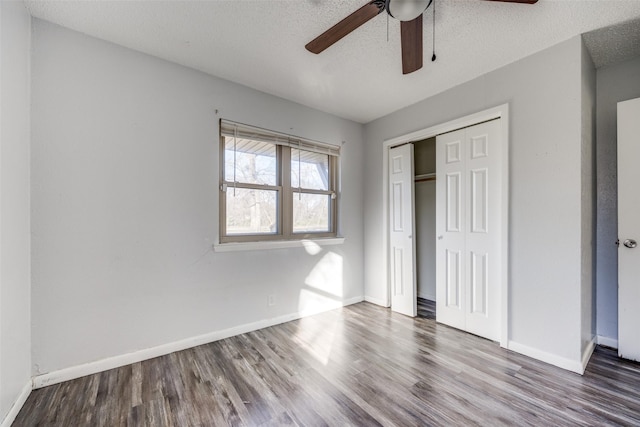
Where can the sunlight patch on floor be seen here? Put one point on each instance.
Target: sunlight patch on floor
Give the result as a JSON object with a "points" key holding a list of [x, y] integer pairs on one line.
{"points": [[318, 338]]}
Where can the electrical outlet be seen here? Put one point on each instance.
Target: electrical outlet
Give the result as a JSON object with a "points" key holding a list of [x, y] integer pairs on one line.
{"points": [[271, 300]]}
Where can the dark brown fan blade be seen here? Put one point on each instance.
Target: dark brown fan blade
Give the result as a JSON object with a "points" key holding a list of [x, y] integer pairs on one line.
{"points": [[517, 1], [411, 37], [344, 27]]}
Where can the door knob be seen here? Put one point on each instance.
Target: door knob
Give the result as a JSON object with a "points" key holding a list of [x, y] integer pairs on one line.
{"points": [[630, 243]]}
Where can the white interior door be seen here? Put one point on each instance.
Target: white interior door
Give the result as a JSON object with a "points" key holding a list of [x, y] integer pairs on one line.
{"points": [[401, 241], [628, 229], [468, 229]]}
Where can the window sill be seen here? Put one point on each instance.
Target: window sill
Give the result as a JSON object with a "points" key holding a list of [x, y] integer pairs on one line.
{"points": [[279, 244]]}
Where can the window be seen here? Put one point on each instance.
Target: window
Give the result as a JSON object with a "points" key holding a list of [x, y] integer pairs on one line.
{"points": [[275, 186]]}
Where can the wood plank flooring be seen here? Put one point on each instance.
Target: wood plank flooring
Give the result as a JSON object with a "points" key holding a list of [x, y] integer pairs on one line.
{"points": [[361, 365]]}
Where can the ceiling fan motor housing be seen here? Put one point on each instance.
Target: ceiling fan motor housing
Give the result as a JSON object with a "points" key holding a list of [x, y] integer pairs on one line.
{"points": [[406, 10]]}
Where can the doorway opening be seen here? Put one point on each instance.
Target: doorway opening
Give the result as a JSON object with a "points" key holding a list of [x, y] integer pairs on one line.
{"points": [[424, 161]]}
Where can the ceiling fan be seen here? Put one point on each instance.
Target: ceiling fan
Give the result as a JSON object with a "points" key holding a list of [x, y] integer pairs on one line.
{"points": [[408, 12]]}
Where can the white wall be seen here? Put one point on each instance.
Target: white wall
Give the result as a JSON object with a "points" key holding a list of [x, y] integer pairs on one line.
{"points": [[125, 205], [15, 336], [544, 96], [615, 83]]}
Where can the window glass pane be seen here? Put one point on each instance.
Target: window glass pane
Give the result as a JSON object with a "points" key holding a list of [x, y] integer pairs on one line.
{"points": [[254, 161], [251, 211], [309, 170], [310, 212]]}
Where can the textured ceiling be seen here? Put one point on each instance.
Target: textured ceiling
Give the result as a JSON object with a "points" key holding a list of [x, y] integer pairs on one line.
{"points": [[260, 43], [613, 44]]}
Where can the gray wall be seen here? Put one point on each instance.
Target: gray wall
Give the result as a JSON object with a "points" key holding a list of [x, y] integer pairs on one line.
{"points": [[545, 255], [588, 199], [615, 83], [15, 336], [125, 205]]}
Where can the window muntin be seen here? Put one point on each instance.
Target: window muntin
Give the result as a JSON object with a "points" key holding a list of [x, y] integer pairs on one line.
{"points": [[274, 187]]}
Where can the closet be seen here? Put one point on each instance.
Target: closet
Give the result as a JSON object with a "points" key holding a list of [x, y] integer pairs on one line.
{"points": [[447, 199]]}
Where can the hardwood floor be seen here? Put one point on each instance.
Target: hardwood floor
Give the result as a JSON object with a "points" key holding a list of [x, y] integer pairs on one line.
{"points": [[426, 309], [360, 365]]}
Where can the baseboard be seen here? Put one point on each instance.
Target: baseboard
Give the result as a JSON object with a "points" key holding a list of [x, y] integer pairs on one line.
{"points": [[586, 354], [607, 342], [376, 301], [90, 368], [543, 356], [17, 405]]}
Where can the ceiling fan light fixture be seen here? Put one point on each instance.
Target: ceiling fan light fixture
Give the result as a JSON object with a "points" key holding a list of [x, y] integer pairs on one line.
{"points": [[409, 12], [406, 10]]}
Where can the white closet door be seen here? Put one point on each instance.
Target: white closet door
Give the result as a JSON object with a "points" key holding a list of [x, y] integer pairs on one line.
{"points": [[401, 241], [468, 229], [450, 229], [628, 229], [484, 234]]}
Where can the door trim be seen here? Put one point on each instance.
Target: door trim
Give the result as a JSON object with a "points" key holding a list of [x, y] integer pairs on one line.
{"points": [[499, 112]]}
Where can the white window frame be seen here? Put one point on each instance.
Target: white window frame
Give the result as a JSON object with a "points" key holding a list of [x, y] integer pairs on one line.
{"points": [[285, 192]]}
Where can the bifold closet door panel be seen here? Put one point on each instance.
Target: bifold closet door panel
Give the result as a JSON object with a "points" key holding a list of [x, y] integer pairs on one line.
{"points": [[450, 229], [402, 250]]}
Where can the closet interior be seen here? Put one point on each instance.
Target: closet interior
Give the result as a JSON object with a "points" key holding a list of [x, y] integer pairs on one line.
{"points": [[425, 217]]}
